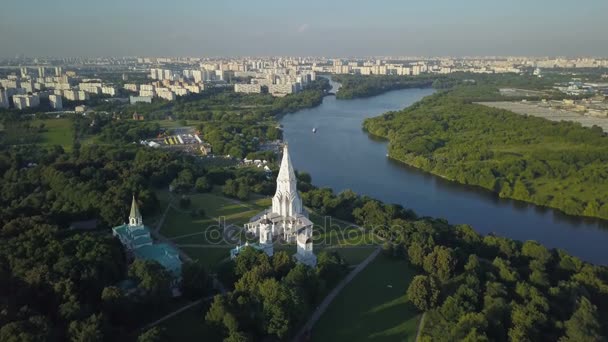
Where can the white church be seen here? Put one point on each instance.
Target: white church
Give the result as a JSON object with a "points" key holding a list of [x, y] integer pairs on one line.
{"points": [[286, 220]]}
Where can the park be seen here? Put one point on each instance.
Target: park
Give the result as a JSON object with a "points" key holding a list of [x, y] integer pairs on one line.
{"points": [[376, 295]]}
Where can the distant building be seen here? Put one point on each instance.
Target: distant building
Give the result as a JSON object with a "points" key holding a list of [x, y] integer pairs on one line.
{"points": [[138, 117], [3, 98], [26, 101], [55, 101], [165, 93], [81, 109], [75, 95], [131, 87], [247, 88], [108, 90], [136, 99], [136, 239], [283, 89]]}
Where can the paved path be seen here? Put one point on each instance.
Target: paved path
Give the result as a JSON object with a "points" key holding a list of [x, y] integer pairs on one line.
{"points": [[176, 312], [162, 218], [420, 326], [307, 328]]}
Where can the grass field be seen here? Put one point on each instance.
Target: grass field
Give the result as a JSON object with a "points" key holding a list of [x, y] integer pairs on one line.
{"points": [[179, 221], [372, 307], [209, 257], [190, 325], [57, 132], [352, 255]]}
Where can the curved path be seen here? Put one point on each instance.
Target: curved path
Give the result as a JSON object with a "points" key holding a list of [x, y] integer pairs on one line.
{"points": [[306, 329]]}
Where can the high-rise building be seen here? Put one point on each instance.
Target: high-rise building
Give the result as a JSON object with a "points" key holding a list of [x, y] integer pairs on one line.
{"points": [[26, 101], [55, 101], [58, 71], [41, 72], [3, 98]]}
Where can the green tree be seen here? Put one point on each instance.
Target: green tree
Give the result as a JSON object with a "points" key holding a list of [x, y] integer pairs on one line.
{"points": [[584, 324], [154, 334], [423, 292], [202, 184], [152, 278], [440, 263], [195, 280], [88, 330]]}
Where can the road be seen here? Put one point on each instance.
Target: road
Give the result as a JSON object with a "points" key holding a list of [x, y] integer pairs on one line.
{"points": [[307, 328]]}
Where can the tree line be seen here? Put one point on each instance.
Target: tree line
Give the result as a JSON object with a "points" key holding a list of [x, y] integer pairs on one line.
{"points": [[555, 164], [480, 288]]}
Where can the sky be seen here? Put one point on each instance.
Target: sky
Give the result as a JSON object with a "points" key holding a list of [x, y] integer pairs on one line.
{"points": [[332, 28]]}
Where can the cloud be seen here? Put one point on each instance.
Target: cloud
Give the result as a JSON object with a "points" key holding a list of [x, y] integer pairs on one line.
{"points": [[303, 28]]}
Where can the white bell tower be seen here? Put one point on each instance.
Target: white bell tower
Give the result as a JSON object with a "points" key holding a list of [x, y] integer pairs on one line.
{"points": [[135, 218]]}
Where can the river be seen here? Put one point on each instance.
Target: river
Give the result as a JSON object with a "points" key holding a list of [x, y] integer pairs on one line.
{"points": [[340, 155]]}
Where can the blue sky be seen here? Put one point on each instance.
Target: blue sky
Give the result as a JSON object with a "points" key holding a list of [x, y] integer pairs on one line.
{"points": [[321, 28]]}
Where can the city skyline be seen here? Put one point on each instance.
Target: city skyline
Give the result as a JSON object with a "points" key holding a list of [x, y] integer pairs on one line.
{"points": [[340, 28]]}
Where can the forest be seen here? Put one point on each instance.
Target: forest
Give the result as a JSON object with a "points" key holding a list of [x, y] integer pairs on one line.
{"points": [[555, 164], [482, 288], [356, 86], [479, 86], [63, 284], [271, 297]]}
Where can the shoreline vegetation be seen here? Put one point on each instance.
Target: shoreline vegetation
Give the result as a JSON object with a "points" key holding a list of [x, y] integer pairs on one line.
{"points": [[559, 165], [356, 86], [62, 283]]}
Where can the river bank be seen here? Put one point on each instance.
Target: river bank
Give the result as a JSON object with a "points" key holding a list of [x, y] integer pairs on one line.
{"points": [[524, 158], [342, 156]]}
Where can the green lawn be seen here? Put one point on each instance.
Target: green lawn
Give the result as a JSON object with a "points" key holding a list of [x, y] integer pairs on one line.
{"points": [[209, 257], [57, 132], [190, 326], [179, 221], [372, 307], [353, 255]]}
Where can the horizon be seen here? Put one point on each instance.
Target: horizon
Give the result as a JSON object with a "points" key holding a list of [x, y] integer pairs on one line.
{"points": [[71, 28]]}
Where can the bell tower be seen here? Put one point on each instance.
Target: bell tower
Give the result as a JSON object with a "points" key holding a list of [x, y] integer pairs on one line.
{"points": [[135, 217]]}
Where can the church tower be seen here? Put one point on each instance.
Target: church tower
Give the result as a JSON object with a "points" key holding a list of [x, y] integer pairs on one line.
{"points": [[286, 201], [266, 236], [135, 217]]}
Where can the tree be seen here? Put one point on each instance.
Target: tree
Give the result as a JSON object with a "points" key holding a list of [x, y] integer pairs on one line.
{"points": [[278, 304], [416, 253], [423, 292], [202, 184], [195, 280], [243, 191], [281, 264], [88, 330], [154, 334], [152, 278], [440, 263], [330, 266], [533, 249], [246, 260], [113, 303], [584, 324]]}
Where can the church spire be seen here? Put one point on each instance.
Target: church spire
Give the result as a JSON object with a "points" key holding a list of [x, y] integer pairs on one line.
{"points": [[286, 172], [286, 201], [135, 217]]}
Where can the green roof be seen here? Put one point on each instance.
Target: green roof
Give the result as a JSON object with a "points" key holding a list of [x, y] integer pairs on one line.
{"points": [[162, 253], [137, 235]]}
